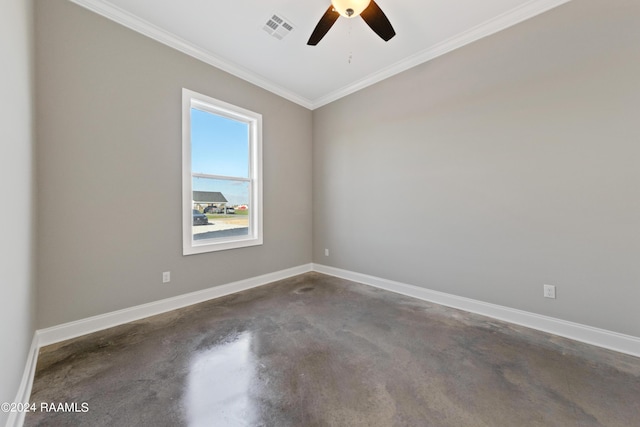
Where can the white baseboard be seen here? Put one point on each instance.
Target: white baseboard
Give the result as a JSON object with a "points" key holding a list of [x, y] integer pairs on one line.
{"points": [[587, 334], [97, 323], [16, 419], [599, 337], [52, 335]]}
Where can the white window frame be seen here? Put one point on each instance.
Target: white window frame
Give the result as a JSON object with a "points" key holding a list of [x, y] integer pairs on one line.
{"points": [[191, 99]]}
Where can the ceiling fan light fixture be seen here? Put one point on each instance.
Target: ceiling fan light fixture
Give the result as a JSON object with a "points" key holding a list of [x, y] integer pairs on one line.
{"points": [[371, 13], [350, 8]]}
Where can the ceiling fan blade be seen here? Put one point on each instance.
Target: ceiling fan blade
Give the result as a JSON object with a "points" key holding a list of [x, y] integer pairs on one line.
{"points": [[325, 24], [378, 21]]}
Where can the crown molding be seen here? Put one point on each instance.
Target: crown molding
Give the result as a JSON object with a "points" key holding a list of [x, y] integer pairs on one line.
{"points": [[487, 28], [122, 17], [492, 26]]}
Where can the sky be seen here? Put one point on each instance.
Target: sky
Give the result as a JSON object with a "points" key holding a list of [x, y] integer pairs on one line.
{"points": [[220, 146]]}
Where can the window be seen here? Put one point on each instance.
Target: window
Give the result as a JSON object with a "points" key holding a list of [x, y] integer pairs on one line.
{"points": [[221, 175]]}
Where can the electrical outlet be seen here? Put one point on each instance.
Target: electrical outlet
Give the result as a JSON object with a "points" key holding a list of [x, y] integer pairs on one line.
{"points": [[166, 277], [549, 291], [326, 252]]}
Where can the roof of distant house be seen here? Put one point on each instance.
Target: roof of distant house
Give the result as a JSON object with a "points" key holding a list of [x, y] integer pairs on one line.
{"points": [[208, 197]]}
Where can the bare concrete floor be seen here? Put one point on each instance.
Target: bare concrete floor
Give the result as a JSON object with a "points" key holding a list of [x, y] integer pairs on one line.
{"points": [[315, 350]]}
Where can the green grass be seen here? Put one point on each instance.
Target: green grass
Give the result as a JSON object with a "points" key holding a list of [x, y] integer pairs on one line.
{"points": [[238, 213]]}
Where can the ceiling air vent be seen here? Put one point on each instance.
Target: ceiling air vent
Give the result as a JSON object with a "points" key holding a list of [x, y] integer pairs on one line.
{"points": [[278, 27]]}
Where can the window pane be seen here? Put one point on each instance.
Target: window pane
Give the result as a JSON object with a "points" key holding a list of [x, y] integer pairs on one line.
{"points": [[219, 145], [221, 208]]}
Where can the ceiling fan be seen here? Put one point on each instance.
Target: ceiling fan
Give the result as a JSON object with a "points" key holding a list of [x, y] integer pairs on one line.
{"points": [[368, 9]]}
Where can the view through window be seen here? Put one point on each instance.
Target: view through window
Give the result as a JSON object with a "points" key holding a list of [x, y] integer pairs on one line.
{"points": [[221, 176]]}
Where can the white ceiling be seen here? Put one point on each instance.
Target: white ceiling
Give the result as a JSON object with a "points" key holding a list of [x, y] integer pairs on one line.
{"points": [[230, 36]]}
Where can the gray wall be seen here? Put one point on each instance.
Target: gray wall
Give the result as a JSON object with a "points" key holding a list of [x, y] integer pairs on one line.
{"points": [[109, 169], [16, 183], [485, 173], [499, 167]]}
